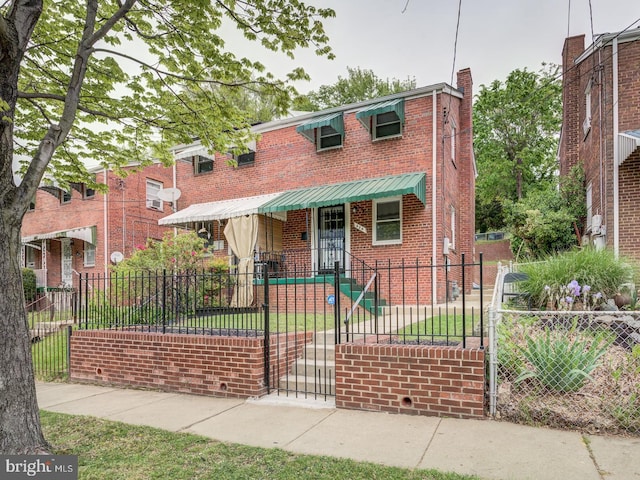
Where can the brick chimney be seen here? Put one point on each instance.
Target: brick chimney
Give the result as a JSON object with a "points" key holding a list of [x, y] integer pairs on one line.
{"points": [[572, 99], [467, 178]]}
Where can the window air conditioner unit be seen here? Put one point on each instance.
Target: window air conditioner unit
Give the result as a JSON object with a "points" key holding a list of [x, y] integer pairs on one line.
{"points": [[446, 246], [155, 204], [596, 224], [586, 125]]}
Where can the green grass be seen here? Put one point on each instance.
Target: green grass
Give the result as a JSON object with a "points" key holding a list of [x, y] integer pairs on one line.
{"points": [[50, 356], [441, 327], [116, 451], [278, 322]]}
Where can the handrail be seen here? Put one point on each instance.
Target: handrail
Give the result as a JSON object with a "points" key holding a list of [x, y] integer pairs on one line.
{"points": [[360, 297]]}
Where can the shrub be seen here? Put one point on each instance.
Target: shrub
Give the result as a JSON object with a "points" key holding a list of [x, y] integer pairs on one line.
{"points": [[560, 363], [29, 284], [600, 270]]}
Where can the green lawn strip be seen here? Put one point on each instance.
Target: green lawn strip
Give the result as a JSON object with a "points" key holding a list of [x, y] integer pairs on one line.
{"points": [[439, 327], [116, 450], [278, 322], [49, 356]]}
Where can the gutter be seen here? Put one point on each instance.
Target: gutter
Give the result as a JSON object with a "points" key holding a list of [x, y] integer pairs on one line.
{"points": [[616, 154]]}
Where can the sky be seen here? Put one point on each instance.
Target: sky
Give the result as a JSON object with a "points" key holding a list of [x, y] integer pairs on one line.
{"points": [[495, 37]]}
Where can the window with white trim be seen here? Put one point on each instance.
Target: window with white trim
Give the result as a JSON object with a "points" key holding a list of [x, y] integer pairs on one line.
{"points": [[387, 221], [30, 257], [386, 125], [453, 228], [589, 196], [202, 164], [89, 255], [454, 133], [328, 137], [586, 125], [153, 201]]}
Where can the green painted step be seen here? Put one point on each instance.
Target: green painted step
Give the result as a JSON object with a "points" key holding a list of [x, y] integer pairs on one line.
{"points": [[352, 289]]}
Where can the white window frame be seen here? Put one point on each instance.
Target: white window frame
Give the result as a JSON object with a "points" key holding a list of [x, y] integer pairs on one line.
{"points": [[375, 124], [375, 221], [319, 138], [89, 254], [197, 164], [453, 228], [589, 202], [586, 125], [153, 202], [29, 257], [454, 134]]}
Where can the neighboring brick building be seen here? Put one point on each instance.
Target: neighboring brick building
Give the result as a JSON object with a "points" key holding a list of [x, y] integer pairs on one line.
{"points": [[71, 232], [382, 180], [601, 131]]}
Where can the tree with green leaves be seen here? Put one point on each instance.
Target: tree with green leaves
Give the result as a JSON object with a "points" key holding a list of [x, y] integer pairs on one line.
{"points": [[516, 126], [359, 85], [116, 82], [548, 219]]}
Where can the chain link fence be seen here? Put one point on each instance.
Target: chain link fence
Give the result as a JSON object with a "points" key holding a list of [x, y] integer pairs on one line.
{"points": [[567, 369]]}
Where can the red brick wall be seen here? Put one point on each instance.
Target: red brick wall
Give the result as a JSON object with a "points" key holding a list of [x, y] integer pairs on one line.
{"points": [[129, 221], [197, 364], [411, 379]]}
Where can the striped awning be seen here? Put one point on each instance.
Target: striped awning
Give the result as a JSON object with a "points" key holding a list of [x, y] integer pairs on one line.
{"points": [[338, 193], [628, 142], [220, 210], [333, 120], [396, 106], [86, 234]]}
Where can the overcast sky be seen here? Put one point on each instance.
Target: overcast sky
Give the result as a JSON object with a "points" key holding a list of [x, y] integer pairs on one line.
{"points": [[495, 37]]}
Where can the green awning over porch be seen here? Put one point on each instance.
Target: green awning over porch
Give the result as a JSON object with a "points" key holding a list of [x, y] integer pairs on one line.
{"points": [[371, 188], [333, 120]]}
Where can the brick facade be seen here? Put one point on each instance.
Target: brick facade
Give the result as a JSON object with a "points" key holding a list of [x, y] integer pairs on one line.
{"points": [[121, 218], [410, 379], [196, 364], [286, 160], [591, 143]]}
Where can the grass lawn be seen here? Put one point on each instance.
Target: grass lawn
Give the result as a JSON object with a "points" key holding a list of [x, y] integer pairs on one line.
{"points": [[116, 450], [50, 356], [440, 327]]}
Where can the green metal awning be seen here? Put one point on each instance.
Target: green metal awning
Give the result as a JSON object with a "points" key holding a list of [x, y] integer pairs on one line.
{"points": [[378, 108], [326, 195], [333, 120]]}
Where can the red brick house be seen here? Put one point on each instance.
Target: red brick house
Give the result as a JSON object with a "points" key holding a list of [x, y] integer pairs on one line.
{"points": [[382, 180], [67, 233], [601, 131]]}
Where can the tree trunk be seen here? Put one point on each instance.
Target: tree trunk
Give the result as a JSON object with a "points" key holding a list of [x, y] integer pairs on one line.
{"points": [[20, 431]]}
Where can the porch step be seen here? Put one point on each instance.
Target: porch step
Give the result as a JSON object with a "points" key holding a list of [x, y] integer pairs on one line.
{"points": [[307, 385]]}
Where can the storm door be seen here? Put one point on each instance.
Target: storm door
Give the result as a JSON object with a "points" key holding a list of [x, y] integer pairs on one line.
{"points": [[331, 237], [67, 262]]}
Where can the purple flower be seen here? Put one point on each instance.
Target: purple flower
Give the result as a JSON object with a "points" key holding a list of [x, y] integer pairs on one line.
{"points": [[586, 289], [597, 296], [569, 300], [547, 288], [574, 288]]}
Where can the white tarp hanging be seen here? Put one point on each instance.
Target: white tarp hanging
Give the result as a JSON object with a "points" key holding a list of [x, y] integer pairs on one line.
{"points": [[242, 234]]}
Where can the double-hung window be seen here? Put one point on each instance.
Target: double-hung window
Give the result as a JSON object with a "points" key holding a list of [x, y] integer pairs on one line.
{"points": [[387, 221], [153, 201], [89, 254], [383, 120], [326, 132], [202, 164]]}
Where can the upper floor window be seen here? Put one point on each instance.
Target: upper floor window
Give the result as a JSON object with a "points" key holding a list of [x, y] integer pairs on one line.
{"points": [[454, 137], [202, 164], [326, 132], [586, 125], [248, 158], [153, 201], [387, 221], [383, 120], [88, 192], [65, 197]]}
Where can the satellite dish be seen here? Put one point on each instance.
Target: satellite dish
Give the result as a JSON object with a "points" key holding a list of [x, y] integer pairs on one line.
{"points": [[117, 257], [169, 194]]}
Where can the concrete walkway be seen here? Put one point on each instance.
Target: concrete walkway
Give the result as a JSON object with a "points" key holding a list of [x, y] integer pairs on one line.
{"points": [[489, 449]]}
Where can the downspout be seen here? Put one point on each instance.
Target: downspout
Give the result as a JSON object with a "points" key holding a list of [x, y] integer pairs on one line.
{"points": [[174, 204], [616, 153], [105, 221], [434, 235]]}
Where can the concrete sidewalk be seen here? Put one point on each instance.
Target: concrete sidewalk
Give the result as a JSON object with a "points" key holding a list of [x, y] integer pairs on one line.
{"points": [[489, 449]]}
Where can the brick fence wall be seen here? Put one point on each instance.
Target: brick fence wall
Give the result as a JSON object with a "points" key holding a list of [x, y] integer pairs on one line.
{"points": [[197, 364], [411, 379]]}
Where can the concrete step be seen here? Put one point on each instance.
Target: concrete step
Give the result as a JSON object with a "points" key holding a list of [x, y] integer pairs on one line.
{"points": [[314, 369], [302, 384]]}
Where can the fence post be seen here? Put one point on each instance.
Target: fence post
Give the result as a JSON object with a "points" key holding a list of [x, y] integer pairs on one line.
{"points": [[481, 305], [336, 305], [267, 340], [464, 309], [164, 301], [493, 361], [69, 333]]}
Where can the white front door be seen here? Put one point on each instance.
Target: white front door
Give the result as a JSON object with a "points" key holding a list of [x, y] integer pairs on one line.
{"points": [[67, 263]]}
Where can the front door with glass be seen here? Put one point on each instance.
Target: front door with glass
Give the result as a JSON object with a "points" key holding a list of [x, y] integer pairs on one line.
{"points": [[331, 237]]}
